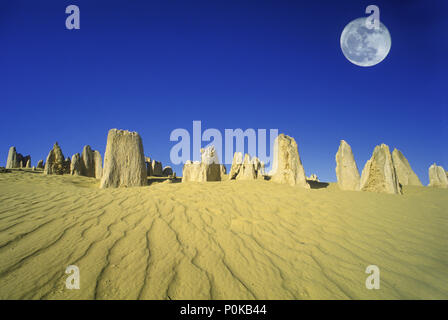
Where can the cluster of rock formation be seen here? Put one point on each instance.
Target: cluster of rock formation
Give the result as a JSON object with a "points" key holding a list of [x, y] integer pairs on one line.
{"points": [[155, 169], [16, 160], [88, 164], [287, 166], [124, 160], [125, 166], [383, 172], [247, 168]]}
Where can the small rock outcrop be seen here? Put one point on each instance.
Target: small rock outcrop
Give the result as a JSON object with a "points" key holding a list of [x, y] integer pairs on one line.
{"points": [[258, 167], [206, 170], [210, 164], [437, 177], [124, 160], [223, 170], [167, 171], [224, 175], [76, 166], [209, 155], [24, 162], [88, 162], [346, 169], [154, 168], [247, 170], [287, 166], [148, 167], [12, 161], [193, 171], [313, 177], [379, 173], [406, 176], [67, 164], [55, 163], [237, 162], [157, 170], [98, 164], [40, 164]]}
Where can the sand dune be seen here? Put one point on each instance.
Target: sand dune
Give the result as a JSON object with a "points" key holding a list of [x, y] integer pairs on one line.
{"points": [[218, 240]]}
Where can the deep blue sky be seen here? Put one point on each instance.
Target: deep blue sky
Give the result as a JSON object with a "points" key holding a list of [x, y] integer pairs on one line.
{"points": [[154, 66]]}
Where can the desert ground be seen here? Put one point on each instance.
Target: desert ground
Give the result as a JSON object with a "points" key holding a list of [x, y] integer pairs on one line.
{"points": [[218, 240]]}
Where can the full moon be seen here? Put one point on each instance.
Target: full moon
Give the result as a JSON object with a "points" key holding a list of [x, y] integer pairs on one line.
{"points": [[363, 46]]}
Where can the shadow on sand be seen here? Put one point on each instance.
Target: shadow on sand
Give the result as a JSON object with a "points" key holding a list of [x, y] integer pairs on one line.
{"points": [[317, 185], [155, 180]]}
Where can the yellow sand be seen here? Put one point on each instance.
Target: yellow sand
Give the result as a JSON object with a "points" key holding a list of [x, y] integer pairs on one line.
{"points": [[218, 240]]}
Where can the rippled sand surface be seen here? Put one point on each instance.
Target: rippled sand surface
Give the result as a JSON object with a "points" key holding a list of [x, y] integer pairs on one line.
{"points": [[218, 240]]}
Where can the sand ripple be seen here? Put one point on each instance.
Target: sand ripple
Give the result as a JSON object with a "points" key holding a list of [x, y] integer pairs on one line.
{"points": [[228, 240]]}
